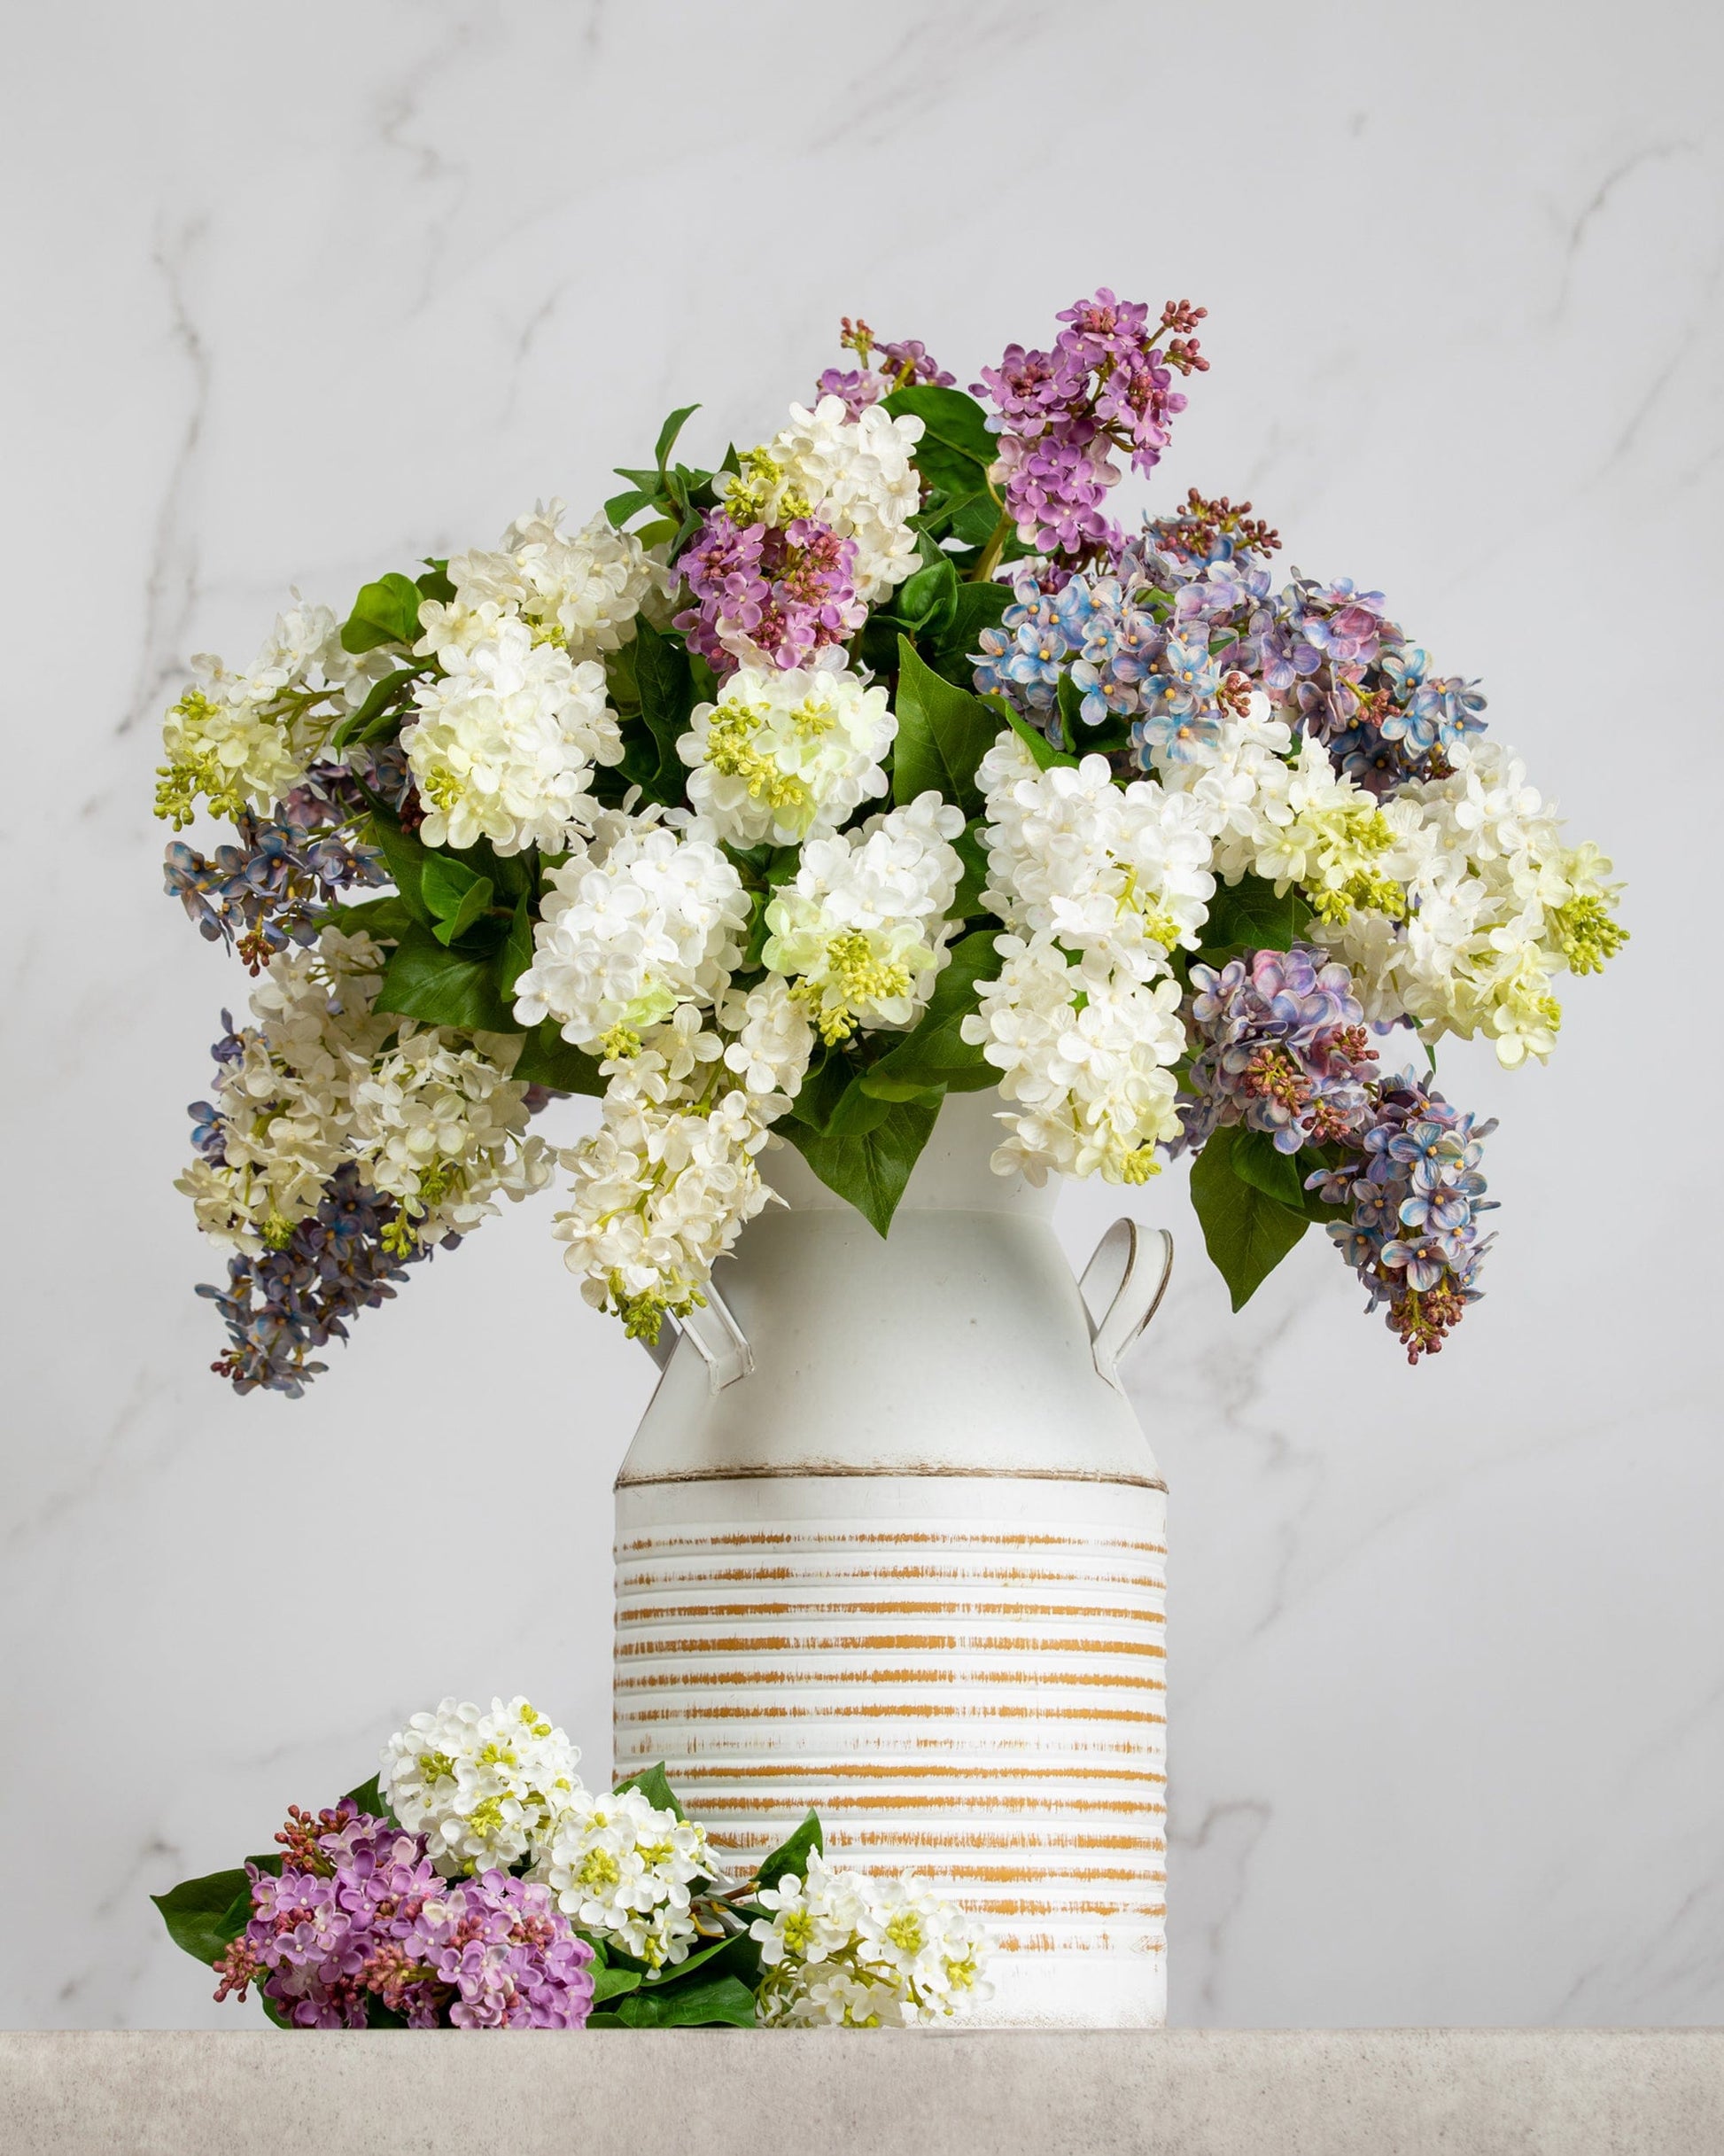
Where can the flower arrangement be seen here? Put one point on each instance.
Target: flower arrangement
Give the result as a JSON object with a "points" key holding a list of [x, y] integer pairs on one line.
{"points": [[474, 1883], [782, 799]]}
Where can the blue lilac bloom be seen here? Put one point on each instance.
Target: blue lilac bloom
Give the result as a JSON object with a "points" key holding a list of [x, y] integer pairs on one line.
{"points": [[1284, 1049], [1411, 1178], [359, 1918], [275, 887]]}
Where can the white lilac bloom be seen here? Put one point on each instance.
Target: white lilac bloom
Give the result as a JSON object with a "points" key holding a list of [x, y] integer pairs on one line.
{"points": [[861, 928], [581, 590], [842, 1950], [1123, 872], [281, 1123], [649, 917], [617, 1866], [483, 1789], [854, 476], [441, 1129], [660, 1192], [784, 753], [1084, 1055], [502, 744], [1230, 776], [241, 741]]}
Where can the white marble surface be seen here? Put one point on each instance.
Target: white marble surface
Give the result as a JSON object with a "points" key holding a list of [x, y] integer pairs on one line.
{"points": [[294, 298]]}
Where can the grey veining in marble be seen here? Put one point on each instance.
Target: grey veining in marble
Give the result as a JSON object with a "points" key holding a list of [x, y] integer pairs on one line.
{"points": [[296, 297]]}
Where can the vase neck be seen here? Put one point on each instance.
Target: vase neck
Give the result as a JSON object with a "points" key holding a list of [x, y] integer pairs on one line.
{"points": [[951, 1174]]}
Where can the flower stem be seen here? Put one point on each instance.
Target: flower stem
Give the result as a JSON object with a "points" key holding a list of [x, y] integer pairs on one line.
{"points": [[991, 553]]}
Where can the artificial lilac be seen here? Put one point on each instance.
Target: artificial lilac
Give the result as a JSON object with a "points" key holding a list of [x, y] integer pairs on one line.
{"points": [[1282, 1049], [786, 592]]}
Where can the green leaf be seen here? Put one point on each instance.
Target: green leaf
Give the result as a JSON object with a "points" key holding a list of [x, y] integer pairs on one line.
{"points": [[620, 508], [970, 850], [439, 987], [665, 683], [944, 733], [457, 895], [869, 1171], [404, 859], [205, 1916], [377, 713], [668, 432], [1255, 1160], [791, 1855], [947, 415], [379, 2016], [930, 596], [608, 1983], [979, 607], [370, 1798], [386, 613], [1042, 752], [386, 920], [515, 954], [1249, 917], [435, 582], [724, 1999], [935, 1051], [546, 1059], [652, 1784], [1246, 1231]]}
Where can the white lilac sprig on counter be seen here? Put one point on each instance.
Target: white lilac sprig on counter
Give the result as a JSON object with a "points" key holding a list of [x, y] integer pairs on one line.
{"points": [[780, 799], [475, 1883]]}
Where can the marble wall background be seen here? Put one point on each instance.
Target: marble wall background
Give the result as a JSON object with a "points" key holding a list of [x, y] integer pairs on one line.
{"points": [[295, 296]]}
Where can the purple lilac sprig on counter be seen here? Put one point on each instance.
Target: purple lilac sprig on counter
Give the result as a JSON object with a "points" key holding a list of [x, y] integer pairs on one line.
{"points": [[786, 591], [1106, 386], [1411, 1180], [885, 366], [276, 885], [282, 1306], [360, 1915], [1284, 1049]]}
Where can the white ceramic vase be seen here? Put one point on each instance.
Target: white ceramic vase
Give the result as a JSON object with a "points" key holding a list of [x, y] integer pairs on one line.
{"points": [[891, 1543]]}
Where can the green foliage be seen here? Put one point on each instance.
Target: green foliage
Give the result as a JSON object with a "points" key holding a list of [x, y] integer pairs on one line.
{"points": [[791, 1855], [679, 493], [1043, 752], [423, 980], [869, 1168], [404, 859], [653, 1786], [457, 896], [935, 1055], [1254, 1157], [944, 733], [384, 920], [386, 613], [973, 852], [667, 688], [382, 711], [205, 1916], [546, 1059], [1249, 917], [956, 447], [435, 583], [369, 1798], [1246, 1230], [708, 2003]]}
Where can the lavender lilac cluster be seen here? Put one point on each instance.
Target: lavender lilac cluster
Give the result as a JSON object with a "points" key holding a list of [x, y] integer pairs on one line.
{"points": [[359, 1916], [275, 886], [1107, 385], [787, 591], [1411, 1180], [282, 1306], [1284, 1049], [1170, 631], [885, 366]]}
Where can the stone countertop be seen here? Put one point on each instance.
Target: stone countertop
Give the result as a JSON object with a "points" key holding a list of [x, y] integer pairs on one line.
{"points": [[1196, 2092]]}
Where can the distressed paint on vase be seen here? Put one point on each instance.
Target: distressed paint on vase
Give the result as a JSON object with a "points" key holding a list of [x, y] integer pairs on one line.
{"points": [[891, 1543]]}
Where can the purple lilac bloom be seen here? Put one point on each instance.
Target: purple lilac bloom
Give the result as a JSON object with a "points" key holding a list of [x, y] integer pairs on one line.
{"points": [[358, 1914], [281, 1304], [897, 363], [1284, 1049], [1411, 1176], [276, 885], [780, 595], [1107, 385]]}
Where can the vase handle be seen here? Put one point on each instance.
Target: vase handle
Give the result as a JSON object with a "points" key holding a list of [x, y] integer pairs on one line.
{"points": [[718, 1340], [1137, 1285]]}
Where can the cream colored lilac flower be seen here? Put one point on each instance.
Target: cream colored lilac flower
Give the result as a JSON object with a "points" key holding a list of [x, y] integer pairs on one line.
{"points": [[855, 476], [620, 1867], [441, 1128], [649, 917], [1123, 872], [504, 744], [582, 590], [770, 1040], [782, 754], [1084, 1053], [284, 1106], [862, 929], [485, 1789], [842, 1950], [240, 741]]}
